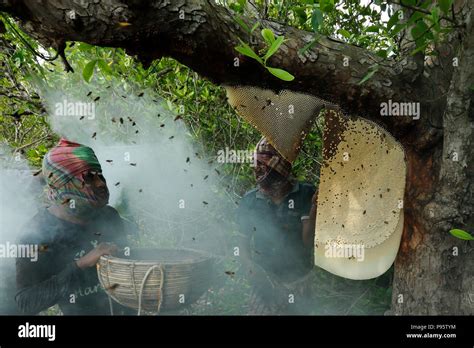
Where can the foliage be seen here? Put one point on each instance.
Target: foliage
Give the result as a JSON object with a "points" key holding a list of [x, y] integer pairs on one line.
{"points": [[211, 122], [273, 44], [374, 25], [461, 234]]}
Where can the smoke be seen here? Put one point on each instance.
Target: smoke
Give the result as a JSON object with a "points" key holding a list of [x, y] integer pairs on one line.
{"points": [[160, 180], [155, 173], [20, 193]]}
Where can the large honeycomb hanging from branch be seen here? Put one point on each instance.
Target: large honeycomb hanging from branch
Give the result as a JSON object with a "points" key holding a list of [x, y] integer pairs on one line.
{"points": [[360, 199], [362, 180]]}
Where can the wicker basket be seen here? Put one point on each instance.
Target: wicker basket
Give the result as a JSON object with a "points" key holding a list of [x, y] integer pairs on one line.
{"points": [[156, 279]]}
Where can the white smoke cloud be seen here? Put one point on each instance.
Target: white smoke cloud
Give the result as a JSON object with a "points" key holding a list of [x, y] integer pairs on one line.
{"points": [[19, 200], [149, 161]]}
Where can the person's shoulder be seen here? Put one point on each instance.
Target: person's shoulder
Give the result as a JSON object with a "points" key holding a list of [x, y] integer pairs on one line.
{"points": [[41, 228], [307, 188], [109, 216], [109, 213]]}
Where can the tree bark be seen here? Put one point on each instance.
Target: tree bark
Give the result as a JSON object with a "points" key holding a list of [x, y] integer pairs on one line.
{"points": [[434, 272], [202, 35]]}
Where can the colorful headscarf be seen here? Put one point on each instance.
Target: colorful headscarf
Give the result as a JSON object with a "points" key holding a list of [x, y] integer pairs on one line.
{"points": [[63, 169], [274, 160]]}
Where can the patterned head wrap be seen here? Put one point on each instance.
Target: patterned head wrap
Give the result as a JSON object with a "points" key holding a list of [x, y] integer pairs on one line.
{"points": [[63, 169], [273, 158]]}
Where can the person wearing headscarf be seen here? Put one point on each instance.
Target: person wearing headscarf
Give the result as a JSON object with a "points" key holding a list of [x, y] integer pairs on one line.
{"points": [[73, 230], [276, 221]]}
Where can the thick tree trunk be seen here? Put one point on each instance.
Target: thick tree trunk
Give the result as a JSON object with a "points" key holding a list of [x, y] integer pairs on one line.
{"points": [[435, 272], [430, 277]]}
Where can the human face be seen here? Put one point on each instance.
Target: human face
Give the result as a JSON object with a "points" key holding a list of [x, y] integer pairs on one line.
{"points": [[96, 181], [261, 169]]}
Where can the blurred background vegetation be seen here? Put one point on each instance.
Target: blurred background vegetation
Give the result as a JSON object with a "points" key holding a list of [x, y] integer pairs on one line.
{"points": [[202, 105]]}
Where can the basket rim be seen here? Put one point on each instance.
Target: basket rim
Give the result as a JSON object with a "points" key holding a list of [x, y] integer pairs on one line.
{"points": [[202, 256]]}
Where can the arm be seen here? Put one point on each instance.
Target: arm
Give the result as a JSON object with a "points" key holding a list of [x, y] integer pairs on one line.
{"points": [[34, 297]]}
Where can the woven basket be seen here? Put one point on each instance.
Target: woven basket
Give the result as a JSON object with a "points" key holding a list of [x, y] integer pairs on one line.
{"points": [[156, 279]]}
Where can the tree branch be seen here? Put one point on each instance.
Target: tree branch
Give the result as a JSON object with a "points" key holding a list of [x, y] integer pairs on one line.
{"points": [[202, 35]]}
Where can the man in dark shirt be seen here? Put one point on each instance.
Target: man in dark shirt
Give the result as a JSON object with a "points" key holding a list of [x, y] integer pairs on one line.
{"points": [[277, 221], [72, 233]]}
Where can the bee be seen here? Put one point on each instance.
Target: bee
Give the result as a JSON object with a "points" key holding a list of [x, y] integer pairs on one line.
{"points": [[112, 287]]}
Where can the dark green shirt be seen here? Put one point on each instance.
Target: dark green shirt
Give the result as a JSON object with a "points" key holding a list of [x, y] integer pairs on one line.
{"points": [[55, 278], [275, 231]]}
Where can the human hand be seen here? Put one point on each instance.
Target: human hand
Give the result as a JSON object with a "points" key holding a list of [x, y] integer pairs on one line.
{"points": [[93, 256]]}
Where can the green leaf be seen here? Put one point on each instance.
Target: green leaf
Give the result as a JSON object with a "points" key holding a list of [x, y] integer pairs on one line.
{"points": [[281, 74], [397, 29], [89, 70], [372, 29], [345, 33], [421, 33], [419, 49], [415, 17], [371, 73], [300, 13], [268, 36], [104, 67], [242, 24], [84, 46], [445, 5], [461, 234], [326, 5], [393, 20], [382, 53], [254, 27], [435, 18], [246, 50], [316, 19], [273, 48]]}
